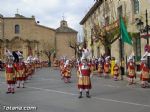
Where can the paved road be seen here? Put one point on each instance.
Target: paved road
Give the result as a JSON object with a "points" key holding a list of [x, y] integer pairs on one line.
{"points": [[48, 93]]}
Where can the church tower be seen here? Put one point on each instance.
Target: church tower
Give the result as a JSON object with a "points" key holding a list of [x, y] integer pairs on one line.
{"points": [[65, 36]]}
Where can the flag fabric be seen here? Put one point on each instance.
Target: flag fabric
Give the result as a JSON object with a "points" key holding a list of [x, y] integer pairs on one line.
{"points": [[124, 34]]}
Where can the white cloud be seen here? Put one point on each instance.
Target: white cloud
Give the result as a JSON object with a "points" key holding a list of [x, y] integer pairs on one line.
{"points": [[48, 12]]}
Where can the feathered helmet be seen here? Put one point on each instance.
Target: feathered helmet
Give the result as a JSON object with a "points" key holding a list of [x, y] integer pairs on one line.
{"points": [[99, 59], [35, 59], [107, 58], [19, 55], [9, 56], [85, 53], [144, 57], [131, 57], [29, 59], [66, 63]]}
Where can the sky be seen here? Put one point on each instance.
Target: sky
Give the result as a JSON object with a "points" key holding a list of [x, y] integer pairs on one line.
{"points": [[49, 12]]}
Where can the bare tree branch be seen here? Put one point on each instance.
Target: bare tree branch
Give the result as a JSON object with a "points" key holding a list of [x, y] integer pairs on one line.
{"points": [[115, 39]]}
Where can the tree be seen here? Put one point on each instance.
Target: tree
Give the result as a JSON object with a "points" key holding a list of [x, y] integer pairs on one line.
{"points": [[49, 53], [106, 37], [72, 43], [48, 50]]}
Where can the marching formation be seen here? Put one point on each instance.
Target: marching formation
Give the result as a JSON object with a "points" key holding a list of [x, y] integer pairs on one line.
{"points": [[18, 70], [107, 67]]}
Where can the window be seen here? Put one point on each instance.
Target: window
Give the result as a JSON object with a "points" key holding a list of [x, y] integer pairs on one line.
{"points": [[17, 29], [136, 6]]}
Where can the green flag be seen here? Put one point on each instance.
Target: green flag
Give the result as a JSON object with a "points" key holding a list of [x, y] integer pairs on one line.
{"points": [[124, 34]]}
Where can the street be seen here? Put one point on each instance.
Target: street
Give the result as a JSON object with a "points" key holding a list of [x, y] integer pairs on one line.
{"points": [[48, 93]]}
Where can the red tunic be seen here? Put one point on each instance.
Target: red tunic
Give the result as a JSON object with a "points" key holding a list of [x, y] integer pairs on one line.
{"points": [[20, 68], [67, 72], [84, 81], [92, 67], [10, 74], [106, 67], [145, 73], [131, 70], [141, 66], [100, 68]]}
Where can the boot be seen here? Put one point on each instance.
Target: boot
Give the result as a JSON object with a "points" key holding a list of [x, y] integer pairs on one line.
{"points": [[13, 91], [23, 84], [69, 80], [80, 96], [18, 84], [8, 91], [143, 86], [88, 95]]}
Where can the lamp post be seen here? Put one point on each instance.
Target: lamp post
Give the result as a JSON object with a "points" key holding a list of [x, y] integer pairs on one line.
{"points": [[140, 25], [141, 28], [147, 27]]}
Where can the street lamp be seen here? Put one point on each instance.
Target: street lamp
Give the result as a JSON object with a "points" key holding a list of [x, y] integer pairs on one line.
{"points": [[142, 28], [147, 27], [140, 25]]}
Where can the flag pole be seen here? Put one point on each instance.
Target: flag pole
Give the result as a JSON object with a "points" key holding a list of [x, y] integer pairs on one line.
{"points": [[120, 41]]}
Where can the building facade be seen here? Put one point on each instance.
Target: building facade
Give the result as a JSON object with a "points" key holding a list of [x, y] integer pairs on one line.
{"points": [[64, 37], [24, 34], [103, 18]]}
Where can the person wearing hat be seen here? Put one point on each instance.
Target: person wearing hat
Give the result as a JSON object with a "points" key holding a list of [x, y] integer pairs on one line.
{"points": [[100, 68], [20, 71], [55, 63], [10, 74], [144, 73], [67, 72], [116, 71], [131, 71], [112, 62], [92, 65], [61, 67], [84, 81], [106, 67]]}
